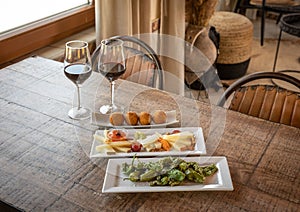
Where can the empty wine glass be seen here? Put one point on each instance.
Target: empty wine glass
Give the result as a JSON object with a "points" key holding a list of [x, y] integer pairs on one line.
{"points": [[77, 68], [111, 65]]}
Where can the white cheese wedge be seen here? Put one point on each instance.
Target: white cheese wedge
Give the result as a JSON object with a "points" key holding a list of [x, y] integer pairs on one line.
{"points": [[105, 148], [150, 139], [99, 138], [179, 137]]}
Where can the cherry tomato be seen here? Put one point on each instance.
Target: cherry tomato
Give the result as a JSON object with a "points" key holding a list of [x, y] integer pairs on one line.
{"points": [[117, 135], [136, 146], [175, 131]]}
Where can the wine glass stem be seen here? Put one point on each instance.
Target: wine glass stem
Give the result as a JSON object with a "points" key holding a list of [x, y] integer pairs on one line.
{"points": [[78, 96], [112, 93]]}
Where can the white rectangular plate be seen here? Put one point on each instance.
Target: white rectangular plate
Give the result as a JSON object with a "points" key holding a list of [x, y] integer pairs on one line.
{"points": [[114, 178], [102, 120], [197, 131]]}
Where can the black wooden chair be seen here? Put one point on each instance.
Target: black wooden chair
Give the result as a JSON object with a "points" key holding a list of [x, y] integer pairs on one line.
{"points": [[142, 63], [262, 5], [268, 102], [289, 23]]}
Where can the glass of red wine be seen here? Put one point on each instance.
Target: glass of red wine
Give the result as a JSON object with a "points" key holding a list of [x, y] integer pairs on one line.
{"points": [[77, 68], [111, 65]]}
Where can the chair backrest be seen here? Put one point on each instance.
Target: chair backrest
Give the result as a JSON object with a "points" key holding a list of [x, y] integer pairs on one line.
{"points": [[268, 102], [142, 64], [273, 2]]}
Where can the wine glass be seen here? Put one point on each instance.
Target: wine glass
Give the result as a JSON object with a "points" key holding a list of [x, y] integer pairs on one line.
{"points": [[77, 68], [111, 65]]}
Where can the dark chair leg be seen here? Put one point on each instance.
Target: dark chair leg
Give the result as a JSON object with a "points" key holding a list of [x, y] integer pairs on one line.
{"points": [[262, 30], [278, 18], [277, 50], [237, 6]]}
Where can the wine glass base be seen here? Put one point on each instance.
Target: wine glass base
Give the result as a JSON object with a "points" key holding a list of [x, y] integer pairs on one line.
{"points": [[82, 113], [107, 109]]}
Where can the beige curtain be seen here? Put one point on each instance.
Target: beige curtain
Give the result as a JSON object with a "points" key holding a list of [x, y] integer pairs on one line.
{"points": [[172, 43], [122, 17], [226, 5], [135, 17]]}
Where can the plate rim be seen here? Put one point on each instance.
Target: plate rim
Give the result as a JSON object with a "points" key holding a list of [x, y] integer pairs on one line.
{"points": [[223, 172], [200, 151]]}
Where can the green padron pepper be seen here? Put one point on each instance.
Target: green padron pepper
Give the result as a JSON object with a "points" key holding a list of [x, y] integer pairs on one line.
{"points": [[176, 175], [134, 176], [192, 175], [148, 176]]}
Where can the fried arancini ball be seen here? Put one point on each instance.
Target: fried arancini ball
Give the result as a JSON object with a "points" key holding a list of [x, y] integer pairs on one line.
{"points": [[145, 118], [131, 118], [159, 117], [116, 118]]}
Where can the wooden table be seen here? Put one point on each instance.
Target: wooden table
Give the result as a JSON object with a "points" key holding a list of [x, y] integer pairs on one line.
{"points": [[44, 154]]}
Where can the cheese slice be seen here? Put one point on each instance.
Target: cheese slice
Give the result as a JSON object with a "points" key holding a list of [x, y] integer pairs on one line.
{"points": [[105, 148]]}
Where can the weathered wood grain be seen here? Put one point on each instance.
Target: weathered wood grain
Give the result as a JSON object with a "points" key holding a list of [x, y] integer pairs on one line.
{"points": [[44, 155]]}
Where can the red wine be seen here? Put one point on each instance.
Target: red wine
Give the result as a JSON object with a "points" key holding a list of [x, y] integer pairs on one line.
{"points": [[78, 73], [112, 71]]}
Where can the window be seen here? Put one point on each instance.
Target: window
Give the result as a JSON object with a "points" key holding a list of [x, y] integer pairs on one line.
{"points": [[47, 22], [28, 11]]}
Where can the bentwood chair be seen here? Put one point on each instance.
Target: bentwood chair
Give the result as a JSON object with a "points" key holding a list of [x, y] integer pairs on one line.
{"points": [[142, 63], [277, 6], [268, 102]]}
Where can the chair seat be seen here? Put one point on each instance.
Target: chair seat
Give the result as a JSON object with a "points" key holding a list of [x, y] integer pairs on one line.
{"points": [[291, 24]]}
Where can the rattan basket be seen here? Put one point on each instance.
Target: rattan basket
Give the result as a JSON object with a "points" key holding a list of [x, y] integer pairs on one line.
{"points": [[236, 33]]}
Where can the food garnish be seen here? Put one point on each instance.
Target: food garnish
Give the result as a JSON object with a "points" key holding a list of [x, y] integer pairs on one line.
{"points": [[116, 135], [168, 171], [164, 144]]}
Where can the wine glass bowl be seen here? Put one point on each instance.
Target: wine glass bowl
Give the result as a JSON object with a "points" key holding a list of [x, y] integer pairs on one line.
{"points": [[77, 68], [111, 65]]}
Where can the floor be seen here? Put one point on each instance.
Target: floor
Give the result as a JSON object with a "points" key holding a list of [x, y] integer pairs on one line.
{"points": [[263, 56]]}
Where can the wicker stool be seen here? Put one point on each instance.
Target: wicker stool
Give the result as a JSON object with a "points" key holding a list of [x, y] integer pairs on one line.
{"points": [[236, 32]]}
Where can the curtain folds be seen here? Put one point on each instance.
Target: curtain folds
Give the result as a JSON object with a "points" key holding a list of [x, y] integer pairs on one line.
{"points": [[172, 43], [135, 17]]}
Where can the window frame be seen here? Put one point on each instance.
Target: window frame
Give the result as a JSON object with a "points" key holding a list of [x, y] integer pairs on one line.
{"points": [[22, 41]]}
